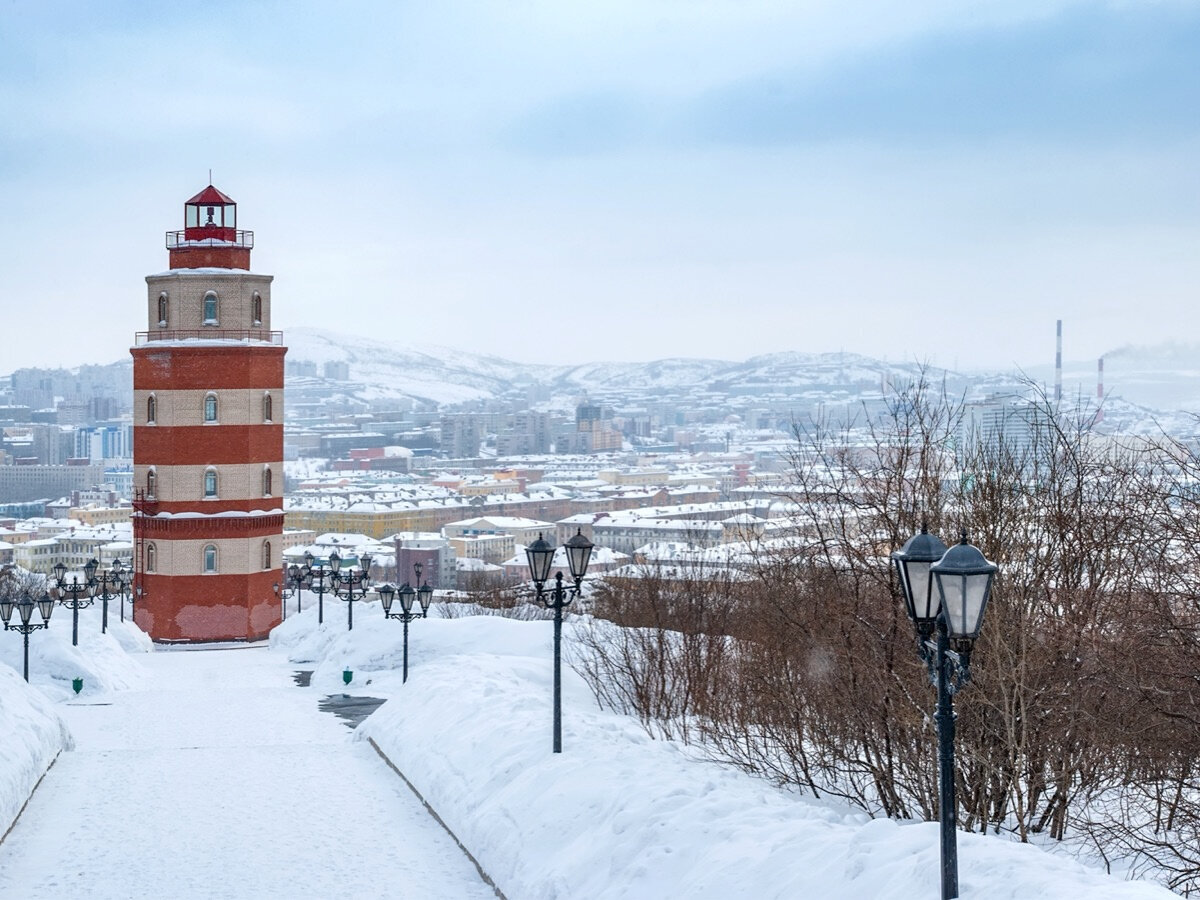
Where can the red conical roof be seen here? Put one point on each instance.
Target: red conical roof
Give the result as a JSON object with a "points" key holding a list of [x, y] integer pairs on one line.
{"points": [[210, 195]]}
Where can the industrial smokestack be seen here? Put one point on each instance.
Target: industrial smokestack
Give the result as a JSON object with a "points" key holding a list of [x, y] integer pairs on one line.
{"points": [[1058, 367], [1099, 390]]}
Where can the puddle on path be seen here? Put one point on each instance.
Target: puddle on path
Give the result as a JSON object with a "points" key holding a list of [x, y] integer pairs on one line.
{"points": [[350, 709], [302, 678]]}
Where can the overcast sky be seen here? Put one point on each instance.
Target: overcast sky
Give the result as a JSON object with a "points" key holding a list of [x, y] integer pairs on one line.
{"points": [[564, 181]]}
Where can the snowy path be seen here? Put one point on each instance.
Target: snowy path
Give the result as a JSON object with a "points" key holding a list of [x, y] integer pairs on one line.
{"points": [[222, 780]]}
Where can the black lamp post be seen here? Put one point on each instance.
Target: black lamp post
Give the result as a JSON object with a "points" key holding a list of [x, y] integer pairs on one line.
{"points": [[106, 580], [345, 583], [81, 593], [423, 596], [541, 557], [126, 573], [316, 579], [293, 584], [946, 591], [24, 608]]}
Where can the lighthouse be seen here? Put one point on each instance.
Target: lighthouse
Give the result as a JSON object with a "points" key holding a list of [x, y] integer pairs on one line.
{"points": [[208, 437]]}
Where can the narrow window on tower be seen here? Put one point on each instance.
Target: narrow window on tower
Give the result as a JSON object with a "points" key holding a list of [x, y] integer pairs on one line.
{"points": [[266, 554], [266, 407], [210, 308], [256, 308], [151, 482], [266, 482], [151, 558], [210, 483], [210, 559], [151, 410], [162, 310], [210, 407]]}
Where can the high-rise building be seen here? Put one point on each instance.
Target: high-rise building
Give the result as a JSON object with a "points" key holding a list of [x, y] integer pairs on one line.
{"points": [[208, 437]]}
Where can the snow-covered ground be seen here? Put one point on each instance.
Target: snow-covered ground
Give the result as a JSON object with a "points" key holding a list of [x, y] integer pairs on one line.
{"points": [[617, 814], [209, 773]]}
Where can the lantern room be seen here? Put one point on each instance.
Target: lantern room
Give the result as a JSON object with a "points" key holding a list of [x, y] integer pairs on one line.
{"points": [[210, 237], [210, 215]]}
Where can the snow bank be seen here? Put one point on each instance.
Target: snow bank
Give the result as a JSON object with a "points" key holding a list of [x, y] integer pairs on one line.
{"points": [[31, 729], [33, 736], [618, 814]]}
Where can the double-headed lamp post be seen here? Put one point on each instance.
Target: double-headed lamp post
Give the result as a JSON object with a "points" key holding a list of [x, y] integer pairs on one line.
{"points": [[541, 557], [423, 595], [81, 593], [316, 578], [294, 582], [344, 583], [24, 607], [110, 583], [947, 592]]}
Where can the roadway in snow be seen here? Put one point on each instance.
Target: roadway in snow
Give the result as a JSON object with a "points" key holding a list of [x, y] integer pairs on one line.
{"points": [[220, 778]]}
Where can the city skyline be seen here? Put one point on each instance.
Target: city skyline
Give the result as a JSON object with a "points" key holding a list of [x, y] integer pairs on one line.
{"points": [[618, 182]]}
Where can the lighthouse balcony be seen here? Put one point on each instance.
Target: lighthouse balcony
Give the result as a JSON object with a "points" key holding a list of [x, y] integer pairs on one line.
{"points": [[208, 236], [209, 335]]}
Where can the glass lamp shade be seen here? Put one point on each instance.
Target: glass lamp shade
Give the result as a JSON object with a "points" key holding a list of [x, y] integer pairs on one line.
{"points": [[25, 610], [418, 569], [964, 583], [60, 572], [6, 610], [407, 595], [541, 557], [579, 552], [90, 569], [365, 562], [424, 597], [308, 560], [45, 606], [387, 593], [913, 562], [293, 572], [335, 562], [116, 567]]}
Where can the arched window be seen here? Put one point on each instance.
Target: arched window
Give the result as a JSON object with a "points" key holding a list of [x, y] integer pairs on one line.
{"points": [[266, 482], [256, 308], [210, 559], [210, 483], [151, 558], [151, 409], [210, 308], [267, 407], [151, 482], [266, 554], [162, 310], [210, 407]]}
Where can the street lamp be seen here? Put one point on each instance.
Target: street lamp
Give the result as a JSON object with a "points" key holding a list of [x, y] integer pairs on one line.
{"points": [[540, 555], [344, 583], [126, 582], [81, 594], [293, 584], [423, 596], [963, 582], [110, 578], [24, 608], [316, 579]]}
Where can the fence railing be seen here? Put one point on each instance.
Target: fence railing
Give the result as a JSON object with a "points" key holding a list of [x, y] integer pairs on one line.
{"points": [[176, 240], [256, 335]]}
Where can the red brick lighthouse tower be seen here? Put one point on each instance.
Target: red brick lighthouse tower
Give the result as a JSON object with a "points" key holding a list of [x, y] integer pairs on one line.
{"points": [[208, 437]]}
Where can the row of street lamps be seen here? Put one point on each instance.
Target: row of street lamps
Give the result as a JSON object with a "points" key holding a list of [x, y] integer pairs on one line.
{"points": [[103, 584]]}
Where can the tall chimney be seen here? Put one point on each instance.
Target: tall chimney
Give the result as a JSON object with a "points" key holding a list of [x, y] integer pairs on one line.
{"points": [[1099, 391], [1058, 367]]}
